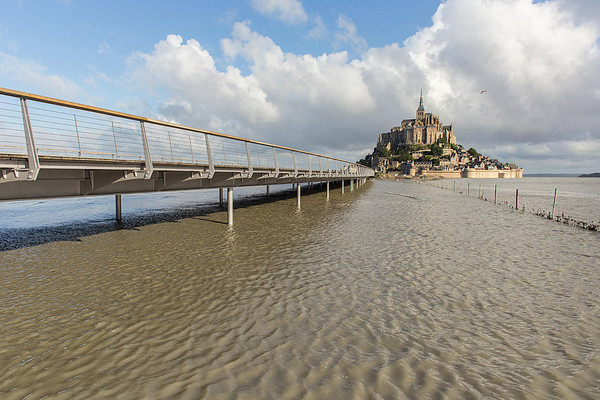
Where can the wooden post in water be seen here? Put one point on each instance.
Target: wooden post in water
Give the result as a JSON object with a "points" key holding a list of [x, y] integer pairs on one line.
{"points": [[495, 191], [554, 203], [517, 199]]}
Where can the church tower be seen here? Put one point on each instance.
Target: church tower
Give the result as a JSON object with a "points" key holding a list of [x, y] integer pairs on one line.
{"points": [[421, 109]]}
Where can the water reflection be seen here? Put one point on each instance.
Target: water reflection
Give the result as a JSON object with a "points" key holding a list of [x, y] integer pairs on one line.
{"points": [[31, 223]]}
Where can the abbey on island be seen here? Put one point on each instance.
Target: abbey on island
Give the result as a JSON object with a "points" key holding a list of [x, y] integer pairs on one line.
{"points": [[424, 146], [426, 128]]}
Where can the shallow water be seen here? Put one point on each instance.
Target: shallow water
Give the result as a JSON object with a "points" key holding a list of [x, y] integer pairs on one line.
{"points": [[397, 290], [578, 198]]}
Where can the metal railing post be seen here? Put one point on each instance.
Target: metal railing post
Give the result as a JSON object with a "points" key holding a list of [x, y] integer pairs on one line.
{"points": [[276, 164], [295, 165], [115, 139], [32, 155], [191, 148], [211, 165], [250, 170], [171, 146], [77, 132], [149, 167]]}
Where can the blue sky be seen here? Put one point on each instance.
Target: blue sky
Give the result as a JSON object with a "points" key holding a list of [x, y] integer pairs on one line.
{"points": [[327, 76]]}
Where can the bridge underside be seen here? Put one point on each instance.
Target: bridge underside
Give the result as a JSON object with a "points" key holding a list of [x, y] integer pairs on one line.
{"points": [[64, 177]]}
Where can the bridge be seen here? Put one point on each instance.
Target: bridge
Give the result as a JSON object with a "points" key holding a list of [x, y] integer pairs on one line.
{"points": [[55, 148]]}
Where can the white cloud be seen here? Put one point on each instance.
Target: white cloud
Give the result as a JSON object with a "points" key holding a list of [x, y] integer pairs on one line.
{"points": [[7, 43], [347, 34], [538, 63], [28, 74], [103, 48], [319, 31], [188, 72], [290, 11]]}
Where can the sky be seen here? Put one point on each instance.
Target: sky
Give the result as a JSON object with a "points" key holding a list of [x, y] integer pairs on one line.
{"points": [[327, 77]]}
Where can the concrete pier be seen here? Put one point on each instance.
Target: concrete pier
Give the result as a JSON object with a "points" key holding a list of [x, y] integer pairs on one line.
{"points": [[230, 206], [119, 216]]}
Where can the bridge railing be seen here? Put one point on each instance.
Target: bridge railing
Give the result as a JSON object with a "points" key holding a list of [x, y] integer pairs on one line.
{"points": [[37, 126]]}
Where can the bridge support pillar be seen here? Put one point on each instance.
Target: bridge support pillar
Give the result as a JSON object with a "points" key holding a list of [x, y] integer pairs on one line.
{"points": [[267, 190], [342, 186], [298, 191], [119, 217], [351, 185], [220, 197], [327, 190], [230, 206]]}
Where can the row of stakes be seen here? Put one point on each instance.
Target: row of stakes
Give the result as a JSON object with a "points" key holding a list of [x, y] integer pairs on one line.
{"points": [[565, 219]]}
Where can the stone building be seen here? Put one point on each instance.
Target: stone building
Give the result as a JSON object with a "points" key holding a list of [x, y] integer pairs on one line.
{"points": [[426, 128]]}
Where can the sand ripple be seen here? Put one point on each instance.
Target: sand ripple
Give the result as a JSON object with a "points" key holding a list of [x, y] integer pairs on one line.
{"points": [[370, 295]]}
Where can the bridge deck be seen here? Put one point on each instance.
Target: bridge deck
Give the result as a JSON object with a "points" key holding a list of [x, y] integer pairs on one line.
{"points": [[54, 148]]}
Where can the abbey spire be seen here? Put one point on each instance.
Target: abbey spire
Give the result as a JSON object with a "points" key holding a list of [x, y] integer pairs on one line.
{"points": [[421, 109]]}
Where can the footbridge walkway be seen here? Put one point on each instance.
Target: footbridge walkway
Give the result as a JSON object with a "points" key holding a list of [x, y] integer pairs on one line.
{"points": [[55, 148]]}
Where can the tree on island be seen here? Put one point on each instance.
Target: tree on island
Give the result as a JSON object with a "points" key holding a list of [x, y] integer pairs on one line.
{"points": [[436, 150], [403, 156], [383, 152], [473, 152]]}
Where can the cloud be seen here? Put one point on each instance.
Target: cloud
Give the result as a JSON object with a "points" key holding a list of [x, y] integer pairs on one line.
{"points": [[4, 41], [290, 11], [538, 63], [347, 34], [319, 30], [32, 75], [103, 48], [188, 72]]}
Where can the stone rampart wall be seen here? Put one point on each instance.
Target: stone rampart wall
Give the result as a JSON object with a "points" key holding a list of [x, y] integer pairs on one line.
{"points": [[475, 173]]}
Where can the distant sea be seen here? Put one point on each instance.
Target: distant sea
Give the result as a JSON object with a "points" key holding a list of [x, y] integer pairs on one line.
{"points": [[550, 175]]}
